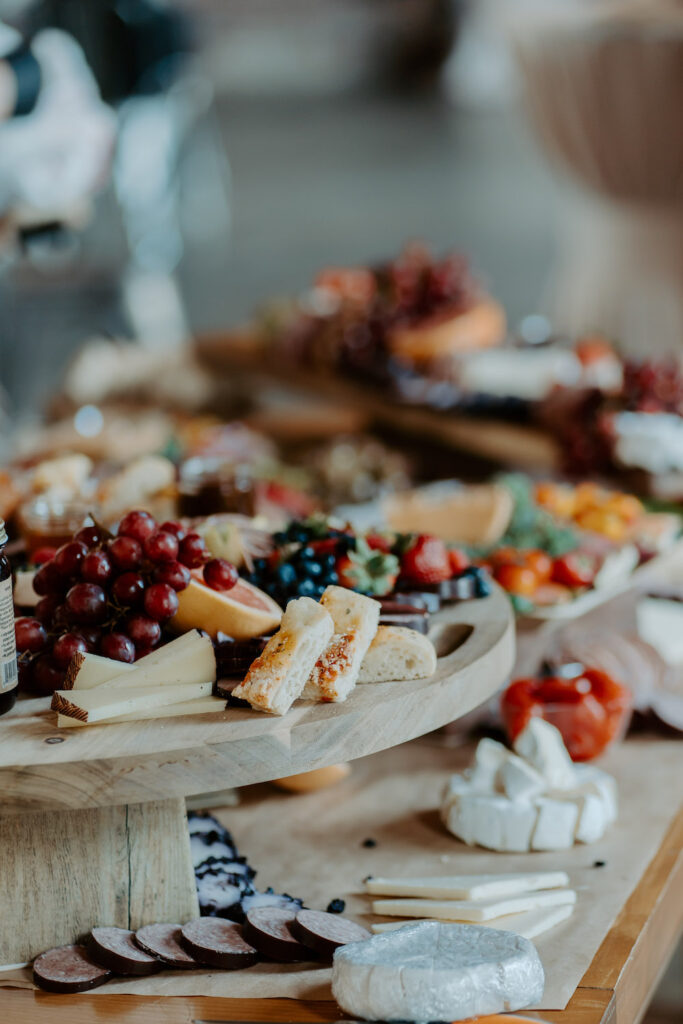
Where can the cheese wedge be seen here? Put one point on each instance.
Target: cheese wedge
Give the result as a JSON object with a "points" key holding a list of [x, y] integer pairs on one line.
{"points": [[473, 910], [468, 887], [530, 923], [188, 659], [199, 706], [104, 703]]}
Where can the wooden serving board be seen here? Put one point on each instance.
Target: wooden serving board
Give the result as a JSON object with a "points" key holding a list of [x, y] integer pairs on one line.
{"points": [[508, 443], [94, 778]]}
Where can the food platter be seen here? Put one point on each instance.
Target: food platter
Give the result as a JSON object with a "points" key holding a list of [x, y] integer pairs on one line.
{"points": [[98, 813]]}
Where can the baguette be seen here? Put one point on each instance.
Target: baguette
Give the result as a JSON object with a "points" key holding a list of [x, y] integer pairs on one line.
{"points": [[279, 674], [398, 653], [355, 621]]}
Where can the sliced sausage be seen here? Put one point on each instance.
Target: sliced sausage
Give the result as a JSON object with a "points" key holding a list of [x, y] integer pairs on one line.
{"points": [[325, 932], [218, 943], [68, 969]]}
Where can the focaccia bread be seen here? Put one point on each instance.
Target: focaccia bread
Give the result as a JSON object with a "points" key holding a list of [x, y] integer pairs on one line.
{"points": [[279, 674], [398, 653], [355, 624]]}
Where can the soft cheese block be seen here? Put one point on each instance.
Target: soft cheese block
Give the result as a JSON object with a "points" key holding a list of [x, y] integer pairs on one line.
{"points": [[468, 887], [473, 910], [433, 971]]}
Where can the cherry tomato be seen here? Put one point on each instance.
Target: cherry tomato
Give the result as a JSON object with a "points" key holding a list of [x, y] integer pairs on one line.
{"points": [[574, 570], [540, 562], [517, 579]]}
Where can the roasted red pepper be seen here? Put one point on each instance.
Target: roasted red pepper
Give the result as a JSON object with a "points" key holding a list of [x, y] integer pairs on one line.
{"points": [[590, 710]]}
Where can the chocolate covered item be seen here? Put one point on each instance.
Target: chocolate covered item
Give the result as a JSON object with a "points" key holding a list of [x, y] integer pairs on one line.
{"points": [[163, 941], [68, 969], [115, 949], [218, 943], [267, 929], [325, 932]]}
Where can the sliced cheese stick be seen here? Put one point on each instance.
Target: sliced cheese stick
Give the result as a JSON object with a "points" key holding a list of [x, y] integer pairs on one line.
{"points": [[473, 910], [199, 706], [102, 704], [468, 887], [530, 923]]}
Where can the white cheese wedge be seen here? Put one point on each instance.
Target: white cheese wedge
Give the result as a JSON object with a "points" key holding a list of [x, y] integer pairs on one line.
{"points": [[541, 744], [488, 759], [468, 887], [103, 703], [594, 780], [473, 910], [593, 818], [189, 658], [492, 821], [200, 706], [431, 971], [530, 923], [519, 779], [556, 824]]}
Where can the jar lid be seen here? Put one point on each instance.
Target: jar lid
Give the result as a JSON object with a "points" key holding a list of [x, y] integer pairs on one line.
{"points": [[3, 532]]}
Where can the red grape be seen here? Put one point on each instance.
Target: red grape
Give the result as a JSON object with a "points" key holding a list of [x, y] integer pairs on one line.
{"points": [[46, 676], [162, 547], [145, 633], [174, 573], [91, 635], [220, 575], [48, 580], [86, 602], [161, 601], [138, 525], [68, 559], [126, 553], [91, 536], [43, 555], [30, 635], [192, 551], [46, 608], [66, 646], [128, 589], [96, 567], [174, 527], [61, 617], [119, 647]]}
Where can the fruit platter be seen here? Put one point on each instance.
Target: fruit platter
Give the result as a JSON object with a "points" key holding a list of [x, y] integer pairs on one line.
{"points": [[152, 669]]}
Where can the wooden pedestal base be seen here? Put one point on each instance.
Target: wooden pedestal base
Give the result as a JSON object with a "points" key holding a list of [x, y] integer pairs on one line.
{"points": [[64, 872]]}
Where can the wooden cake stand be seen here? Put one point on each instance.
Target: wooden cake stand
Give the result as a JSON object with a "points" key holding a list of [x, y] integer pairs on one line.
{"points": [[92, 821]]}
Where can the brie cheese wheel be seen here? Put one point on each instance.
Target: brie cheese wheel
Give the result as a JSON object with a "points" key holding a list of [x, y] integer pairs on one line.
{"points": [[473, 910], [529, 923], [555, 824], [432, 971], [468, 887], [492, 821]]}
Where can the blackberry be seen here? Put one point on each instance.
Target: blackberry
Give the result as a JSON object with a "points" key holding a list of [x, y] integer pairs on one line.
{"points": [[337, 906]]}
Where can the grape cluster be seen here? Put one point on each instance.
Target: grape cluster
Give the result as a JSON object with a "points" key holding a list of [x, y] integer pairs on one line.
{"points": [[107, 594], [303, 563]]}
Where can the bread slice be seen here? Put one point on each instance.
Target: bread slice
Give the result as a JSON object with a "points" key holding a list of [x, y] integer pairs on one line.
{"points": [[355, 624], [279, 674], [398, 653]]}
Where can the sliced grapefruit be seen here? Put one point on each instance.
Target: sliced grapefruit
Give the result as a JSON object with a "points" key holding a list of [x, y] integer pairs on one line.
{"points": [[242, 612]]}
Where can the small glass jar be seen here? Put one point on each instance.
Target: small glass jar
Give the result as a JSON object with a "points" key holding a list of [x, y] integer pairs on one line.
{"points": [[46, 522], [9, 675], [207, 486]]}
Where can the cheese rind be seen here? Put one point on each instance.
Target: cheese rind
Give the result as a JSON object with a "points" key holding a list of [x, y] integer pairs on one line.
{"points": [[102, 704], [472, 887], [199, 706], [473, 910], [432, 971]]}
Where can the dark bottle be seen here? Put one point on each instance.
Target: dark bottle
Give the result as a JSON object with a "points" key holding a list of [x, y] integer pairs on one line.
{"points": [[9, 676]]}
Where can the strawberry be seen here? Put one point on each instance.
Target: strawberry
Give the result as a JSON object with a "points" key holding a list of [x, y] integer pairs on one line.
{"points": [[426, 561], [346, 571], [458, 561], [376, 542], [366, 570]]}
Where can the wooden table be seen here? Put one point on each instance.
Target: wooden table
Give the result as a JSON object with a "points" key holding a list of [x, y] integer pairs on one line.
{"points": [[616, 988]]}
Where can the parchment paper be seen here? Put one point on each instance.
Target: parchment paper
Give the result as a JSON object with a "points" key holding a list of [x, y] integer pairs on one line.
{"points": [[312, 846]]}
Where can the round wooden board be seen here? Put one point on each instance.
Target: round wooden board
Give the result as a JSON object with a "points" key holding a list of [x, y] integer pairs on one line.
{"points": [[43, 767]]}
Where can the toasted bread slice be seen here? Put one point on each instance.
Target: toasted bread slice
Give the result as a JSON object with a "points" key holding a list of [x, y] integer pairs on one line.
{"points": [[398, 653], [355, 623], [279, 674]]}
